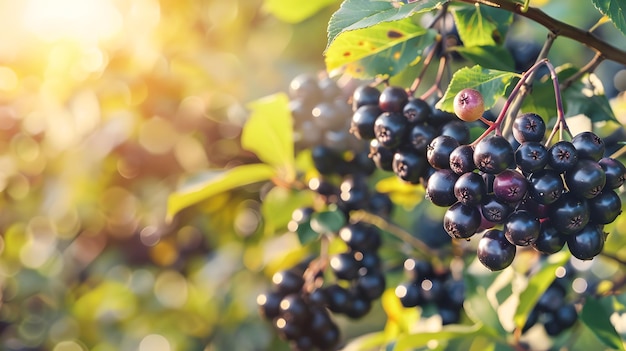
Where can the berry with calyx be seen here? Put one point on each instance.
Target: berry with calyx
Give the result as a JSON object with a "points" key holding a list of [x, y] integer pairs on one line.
{"points": [[439, 150], [469, 105], [365, 95], [461, 221], [528, 127], [417, 111], [521, 228], [390, 128], [510, 186], [493, 154], [562, 156], [531, 156], [494, 210], [458, 130], [409, 166], [494, 251], [362, 123], [614, 170], [549, 241], [469, 189], [382, 156], [462, 159], [569, 214], [440, 188], [589, 146], [420, 136], [604, 208], [586, 179], [546, 186]]}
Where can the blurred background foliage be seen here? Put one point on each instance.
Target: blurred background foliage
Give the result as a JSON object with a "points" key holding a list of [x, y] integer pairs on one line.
{"points": [[105, 105]]}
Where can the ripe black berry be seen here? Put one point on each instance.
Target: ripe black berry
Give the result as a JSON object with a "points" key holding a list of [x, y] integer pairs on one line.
{"points": [[604, 208], [382, 156], [458, 130], [417, 111], [531, 156], [408, 165], [494, 251], [393, 99], [462, 159], [363, 119], [562, 156], [461, 221], [439, 150], [549, 240], [569, 214], [440, 187], [586, 179], [528, 127], [493, 154], [521, 228], [420, 136], [390, 128], [365, 95], [587, 243], [615, 172], [494, 210], [589, 146], [510, 186], [546, 186], [469, 189]]}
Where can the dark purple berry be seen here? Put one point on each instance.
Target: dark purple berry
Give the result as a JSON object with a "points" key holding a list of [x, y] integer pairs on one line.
{"points": [[461, 221], [510, 186], [421, 135], [439, 150], [417, 111], [458, 130], [528, 127], [569, 214], [546, 186], [493, 155], [549, 241], [462, 159], [587, 243], [393, 99], [586, 179], [494, 251], [531, 156], [589, 146], [494, 210], [440, 187], [382, 156], [615, 172], [269, 304], [409, 166], [288, 281], [470, 189], [345, 266], [390, 128], [562, 156], [521, 228], [362, 123], [604, 208], [365, 95], [360, 236], [409, 294]]}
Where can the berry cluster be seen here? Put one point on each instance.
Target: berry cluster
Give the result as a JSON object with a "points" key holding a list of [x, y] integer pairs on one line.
{"points": [[400, 129], [303, 297], [539, 196], [320, 113], [424, 287], [553, 310]]}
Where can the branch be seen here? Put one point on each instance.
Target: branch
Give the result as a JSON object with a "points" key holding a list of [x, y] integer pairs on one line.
{"points": [[558, 28]]}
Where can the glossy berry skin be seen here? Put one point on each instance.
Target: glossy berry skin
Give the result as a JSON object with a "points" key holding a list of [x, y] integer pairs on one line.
{"points": [[345, 266], [390, 128], [458, 130], [469, 189], [439, 150], [493, 154], [531, 156], [510, 186], [418, 270], [305, 87], [326, 160], [420, 136], [440, 187], [589, 146], [614, 170], [362, 123], [528, 127], [338, 298], [409, 166], [461, 221], [393, 99], [469, 105], [462, 159], [562, 156], [586, 179], [569, 214], [269, 304], [409, 294], [566, 315], [494, 210], [360, 236], [365, 95], [372, 285], [294, 309], [587, 243], [546, 186], [494, 251], [417, 111], [288, 281], [382, 156], [521, 228], [549, 241], [604, 208]]}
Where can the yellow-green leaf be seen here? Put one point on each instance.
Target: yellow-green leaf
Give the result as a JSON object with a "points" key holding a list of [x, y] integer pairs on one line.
{"points": [[214, 182], [269, 133], [294, 11]]}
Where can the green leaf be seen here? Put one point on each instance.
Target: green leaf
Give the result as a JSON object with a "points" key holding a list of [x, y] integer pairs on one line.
{"points": [[328, 221], [413, 341], [306, 234], [492, 84], [210, 183], [615, 10], [268, 133], [359, 14], [482, 25], [368, 341], [492, 57], [479, 308], [596, 318], [295, 11], [537, 284], [384, 49]]}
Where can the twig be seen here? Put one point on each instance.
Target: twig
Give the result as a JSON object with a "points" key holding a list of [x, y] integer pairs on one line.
{"points": [[589, 67]]}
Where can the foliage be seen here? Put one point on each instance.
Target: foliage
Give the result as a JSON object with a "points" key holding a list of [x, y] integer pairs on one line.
{"points": [[151, 168]]}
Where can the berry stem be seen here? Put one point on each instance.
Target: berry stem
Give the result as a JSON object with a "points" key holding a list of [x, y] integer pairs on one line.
{"points": [[436, 86], [589, 67], [427, 61]]}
